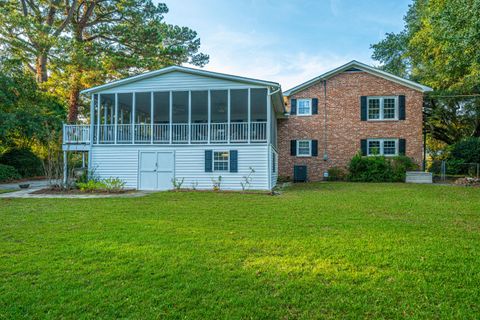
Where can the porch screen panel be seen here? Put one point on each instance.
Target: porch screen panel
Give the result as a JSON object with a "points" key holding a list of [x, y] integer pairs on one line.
{"points": [[161, 117], [107, 118], [258, 98], [125, 120], [199, 106], [180, 128], [239, 105], [143, 117], [219, 106], [219, 115], [199, 117], [180, 107], [161, 107]]}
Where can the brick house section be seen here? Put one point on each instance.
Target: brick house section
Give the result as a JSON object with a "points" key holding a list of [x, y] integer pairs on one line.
{"points": [[340, 135]]}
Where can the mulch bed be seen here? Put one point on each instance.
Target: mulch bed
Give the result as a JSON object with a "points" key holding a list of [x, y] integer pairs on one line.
{"points": [[76, 191], [267, 193]]}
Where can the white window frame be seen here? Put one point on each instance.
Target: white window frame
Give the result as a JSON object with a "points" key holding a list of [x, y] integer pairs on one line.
{"points": [[381, 152], [381, 106], [213, 161], [298, 107], [309, 148]]}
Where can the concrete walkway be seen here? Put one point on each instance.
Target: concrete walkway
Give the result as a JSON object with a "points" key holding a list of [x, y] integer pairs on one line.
{"points": [[36, 185]]}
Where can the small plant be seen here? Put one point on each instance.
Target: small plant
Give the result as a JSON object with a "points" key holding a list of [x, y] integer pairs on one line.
{"points": [[91, 186], [113, 184], [177, 183], [247, 180], [194, 185], [336, 174], [99, 185], [217, 183]]}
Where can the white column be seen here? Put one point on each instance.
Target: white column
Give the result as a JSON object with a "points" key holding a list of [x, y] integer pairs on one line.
{"points": [[98, 119], [269, 113], [189, 116], [92, 118], [170, 115], [249, 115], [133, 117], [209, 116], [228, 116], [116, 119], [151, 117], [65, 169]]}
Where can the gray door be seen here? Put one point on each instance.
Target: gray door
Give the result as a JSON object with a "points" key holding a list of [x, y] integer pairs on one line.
{"points": [[156, 170]]}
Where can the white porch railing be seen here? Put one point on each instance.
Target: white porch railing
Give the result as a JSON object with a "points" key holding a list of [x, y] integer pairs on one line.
{"points": [[238, 132], [76, 133]]}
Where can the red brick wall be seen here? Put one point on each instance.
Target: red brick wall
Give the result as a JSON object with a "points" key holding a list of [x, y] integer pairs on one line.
{"points": [[344, 129]]}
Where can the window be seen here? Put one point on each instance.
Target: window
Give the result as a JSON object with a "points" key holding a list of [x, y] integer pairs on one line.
{"points": [[304, 107], [384, 147], [220, 160], [382, 108], [304, 148]]}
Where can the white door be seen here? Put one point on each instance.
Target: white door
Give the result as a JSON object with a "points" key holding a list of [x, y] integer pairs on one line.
{"points": [[156, 170]]}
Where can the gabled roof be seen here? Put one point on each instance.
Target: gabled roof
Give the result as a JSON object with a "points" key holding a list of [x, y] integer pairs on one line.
{"points": [[358, 66], [185, 70]]}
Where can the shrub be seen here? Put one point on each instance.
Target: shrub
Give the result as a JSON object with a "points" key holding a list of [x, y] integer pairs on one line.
{"points": [[379, 168], [105, 185], [8, 173], [24, 160], [400, 165], [467, 150], [337, 174], [369, 169], [91, 186]]}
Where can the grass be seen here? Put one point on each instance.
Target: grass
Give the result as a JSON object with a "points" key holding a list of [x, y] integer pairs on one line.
{"points": [[334, 250]]}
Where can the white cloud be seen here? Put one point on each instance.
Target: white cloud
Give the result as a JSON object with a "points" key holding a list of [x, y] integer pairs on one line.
{"points": [[263, 56]]}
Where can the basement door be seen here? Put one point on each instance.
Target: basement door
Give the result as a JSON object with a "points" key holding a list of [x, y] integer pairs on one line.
{"points": [[156, 170]]}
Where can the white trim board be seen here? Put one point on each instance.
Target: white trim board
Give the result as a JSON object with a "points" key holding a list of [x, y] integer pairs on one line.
{"points": [[362, 67]]}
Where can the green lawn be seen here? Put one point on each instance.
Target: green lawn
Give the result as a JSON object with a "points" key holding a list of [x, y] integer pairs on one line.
{"points": [[332, 250]]}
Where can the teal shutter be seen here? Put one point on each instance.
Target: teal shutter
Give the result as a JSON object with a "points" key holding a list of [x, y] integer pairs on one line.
{"points": [[208, 160], [402, 147], [363, 108], [293, 147], [363, 147], [233, 161], [401, 107], [314, 106], [314, 148], [293, 106]]}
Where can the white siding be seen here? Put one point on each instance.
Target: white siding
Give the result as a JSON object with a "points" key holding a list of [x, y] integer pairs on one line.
{"points": [[122, 162], [273, 175], [177, 80]]}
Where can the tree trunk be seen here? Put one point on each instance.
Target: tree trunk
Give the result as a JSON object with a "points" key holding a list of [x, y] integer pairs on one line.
{"points": [[41, 68], [74, 97]]}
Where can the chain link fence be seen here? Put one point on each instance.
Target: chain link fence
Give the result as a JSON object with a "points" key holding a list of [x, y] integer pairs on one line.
{"points": [[451, 170]]}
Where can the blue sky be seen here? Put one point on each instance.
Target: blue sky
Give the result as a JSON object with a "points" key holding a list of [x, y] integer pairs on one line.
{"points": [[287, 41]]}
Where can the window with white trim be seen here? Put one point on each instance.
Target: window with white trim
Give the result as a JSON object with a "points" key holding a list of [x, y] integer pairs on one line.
{"points": [[304, 148], [382, 108], [383, 147], [304, 107], [220, 160]]}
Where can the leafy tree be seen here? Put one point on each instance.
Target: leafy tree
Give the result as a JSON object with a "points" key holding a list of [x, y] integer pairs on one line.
{"points": [[81, 43], [27, 114], [30, 29], [439, 47]]}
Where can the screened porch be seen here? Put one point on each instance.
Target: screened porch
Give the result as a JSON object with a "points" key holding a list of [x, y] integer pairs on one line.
{"points": [[175, 117]]}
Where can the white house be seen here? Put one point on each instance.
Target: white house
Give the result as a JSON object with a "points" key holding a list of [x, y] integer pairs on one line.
{"points": [[182, 124]]}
